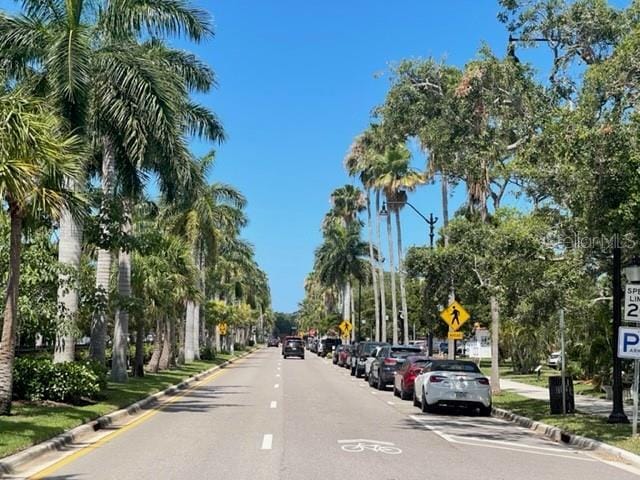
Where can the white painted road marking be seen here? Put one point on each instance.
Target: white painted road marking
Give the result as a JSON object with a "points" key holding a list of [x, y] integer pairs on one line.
{"points": [[274, 404], [360, 445], [267, 441], [390, 402], [501, 445], [277, 374], [277, 385]]}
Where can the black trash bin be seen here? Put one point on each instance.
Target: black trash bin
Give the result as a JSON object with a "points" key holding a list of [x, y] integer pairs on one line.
{"points": [[555, 395]]}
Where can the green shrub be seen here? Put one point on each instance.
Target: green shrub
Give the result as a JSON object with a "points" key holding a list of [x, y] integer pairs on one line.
{"points": [[207, 353], [69, 382]]}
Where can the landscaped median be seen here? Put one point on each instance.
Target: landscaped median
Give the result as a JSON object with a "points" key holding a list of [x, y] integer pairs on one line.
{"points": [[32, 423], [590, 426]]}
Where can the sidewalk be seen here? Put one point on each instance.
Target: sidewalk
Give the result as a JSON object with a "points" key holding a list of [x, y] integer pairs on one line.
{"points": [[584, 403]]}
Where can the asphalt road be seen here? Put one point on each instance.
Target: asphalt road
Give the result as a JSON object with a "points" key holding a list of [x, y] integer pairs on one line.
{"points": [[268, 418]]}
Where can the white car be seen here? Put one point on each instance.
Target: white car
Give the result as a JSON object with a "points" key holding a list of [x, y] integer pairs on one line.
{"points": [[372, 356], [452, 383], [555, 360]]}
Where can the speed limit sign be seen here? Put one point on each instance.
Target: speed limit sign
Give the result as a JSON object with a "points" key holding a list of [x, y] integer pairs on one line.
{"points": [[632, 303]]}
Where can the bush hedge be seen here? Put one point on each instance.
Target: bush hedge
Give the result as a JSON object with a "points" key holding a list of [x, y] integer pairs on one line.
{"points": [[69, 382]]}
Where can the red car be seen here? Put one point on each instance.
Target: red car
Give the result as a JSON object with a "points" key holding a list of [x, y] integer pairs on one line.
{"points": [[406, 375]]}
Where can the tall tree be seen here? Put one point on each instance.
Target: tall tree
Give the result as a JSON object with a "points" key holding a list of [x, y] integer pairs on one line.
{"points": [[37, 160]]}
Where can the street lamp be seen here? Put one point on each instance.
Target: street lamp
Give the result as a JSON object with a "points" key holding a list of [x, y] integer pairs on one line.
{"points": [[431, 221]]}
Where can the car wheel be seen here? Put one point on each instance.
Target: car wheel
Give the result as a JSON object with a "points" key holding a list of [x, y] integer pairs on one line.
{"points": [[302, 357], [416, 403], [403, 395], [425, 406], [380, 384], [353, 371], [396, 393], [370, 380], [284, 356], [485, 411]]}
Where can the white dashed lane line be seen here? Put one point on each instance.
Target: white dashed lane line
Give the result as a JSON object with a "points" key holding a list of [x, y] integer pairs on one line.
{"points": [[274, 404], [267, 441]]}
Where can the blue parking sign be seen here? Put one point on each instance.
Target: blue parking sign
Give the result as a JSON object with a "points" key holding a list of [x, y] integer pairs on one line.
{"points": [[629, 343]]}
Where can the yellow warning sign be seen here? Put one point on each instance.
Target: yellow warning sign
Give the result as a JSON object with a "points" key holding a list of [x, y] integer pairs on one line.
{"points": [[222, 328], [345, 328], [453, 335], [455, 315]]}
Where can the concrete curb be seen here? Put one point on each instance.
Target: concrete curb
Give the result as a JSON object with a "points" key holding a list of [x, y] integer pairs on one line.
{"points": [[13, 462], [558, 435]]}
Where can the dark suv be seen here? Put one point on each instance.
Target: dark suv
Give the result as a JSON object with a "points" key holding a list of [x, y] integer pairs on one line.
{"points": [[293, 347], [363, 350], [388, 360]]}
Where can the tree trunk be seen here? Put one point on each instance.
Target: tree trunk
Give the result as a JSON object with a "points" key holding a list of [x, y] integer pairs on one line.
{"points": [[445, 221], [167, 350], [103, 267], [69, 251], [138, 367], [353, 313], [9, 323], [392, 269], [157, 346], [189, 332], [495, 344], [173, 341], [383, 303], [403, 291], [374, 273], [119, 367]]}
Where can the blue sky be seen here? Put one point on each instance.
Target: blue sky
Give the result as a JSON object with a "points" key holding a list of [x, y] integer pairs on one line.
{"points": [[297, 82]]}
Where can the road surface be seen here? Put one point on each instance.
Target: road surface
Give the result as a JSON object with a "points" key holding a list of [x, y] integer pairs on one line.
{"points": [[265, 418]]}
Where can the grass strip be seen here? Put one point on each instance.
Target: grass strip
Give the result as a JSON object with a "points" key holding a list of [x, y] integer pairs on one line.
{"points": [[33, 422], [590, 426]]}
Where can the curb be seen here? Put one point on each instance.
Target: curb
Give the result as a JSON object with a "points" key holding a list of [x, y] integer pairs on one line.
{"points": [[10, 464], [558, 435]]}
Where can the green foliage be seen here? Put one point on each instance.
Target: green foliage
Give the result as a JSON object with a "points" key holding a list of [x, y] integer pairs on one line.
{"points": [[70, 382], [207, 352]]}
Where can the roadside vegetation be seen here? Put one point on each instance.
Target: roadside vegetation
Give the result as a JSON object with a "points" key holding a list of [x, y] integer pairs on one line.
{"points": [[561, 144]]}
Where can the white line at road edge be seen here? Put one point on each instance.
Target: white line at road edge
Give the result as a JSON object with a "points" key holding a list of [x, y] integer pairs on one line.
{"points": [[274, 404], [500, 445], [277, 374], [277, 385], [267, 441]]}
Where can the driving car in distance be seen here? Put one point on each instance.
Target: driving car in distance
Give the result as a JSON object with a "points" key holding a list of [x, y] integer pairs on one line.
{"points": [[555, 360], [406, 375], [452, 383], [293, 347], [273, 342]]}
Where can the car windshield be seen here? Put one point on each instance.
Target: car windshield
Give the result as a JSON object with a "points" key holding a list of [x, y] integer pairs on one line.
{"points": [[454, 366]]}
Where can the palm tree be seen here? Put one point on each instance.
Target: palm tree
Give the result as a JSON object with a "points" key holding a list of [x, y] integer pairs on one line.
{"points": [[395, 176], [74, 43], [205, 216], [36, 161], [359, 162], [340, 259]]}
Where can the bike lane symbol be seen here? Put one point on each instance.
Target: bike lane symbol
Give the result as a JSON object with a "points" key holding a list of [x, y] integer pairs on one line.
{"points": [[359, 445]]}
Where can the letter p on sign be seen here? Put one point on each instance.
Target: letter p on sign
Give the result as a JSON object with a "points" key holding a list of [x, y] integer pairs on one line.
{"points": [[629, 343]]}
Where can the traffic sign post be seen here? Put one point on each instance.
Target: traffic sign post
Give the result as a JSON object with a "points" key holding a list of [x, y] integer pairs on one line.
{"points": [[629, 347], [632, 303], [454, 315]]}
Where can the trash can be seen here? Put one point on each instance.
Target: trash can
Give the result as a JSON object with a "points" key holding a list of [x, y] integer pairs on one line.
{"points": [[555, 395]]}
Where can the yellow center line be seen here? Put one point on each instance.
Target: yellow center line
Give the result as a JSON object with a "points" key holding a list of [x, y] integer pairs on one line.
{"points": [[120, 430]]}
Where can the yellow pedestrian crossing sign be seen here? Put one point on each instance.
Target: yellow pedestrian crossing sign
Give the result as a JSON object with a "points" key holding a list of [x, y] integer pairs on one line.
{"points": [[345, 327], [455, 315], [222, 328]]}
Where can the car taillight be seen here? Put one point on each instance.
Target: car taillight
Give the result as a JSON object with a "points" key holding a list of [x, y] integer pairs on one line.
{"points": [[436, 379], [390, 361], [483, 381]]}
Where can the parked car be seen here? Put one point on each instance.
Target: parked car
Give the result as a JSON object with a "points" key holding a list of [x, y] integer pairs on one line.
{"points": [[387, 361], [452, 383], [326, 345], [343, 354], [362, 355], [555, 360], [336, 354], [349, 355], [293, 347], [406, 375], [273, 342]]}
